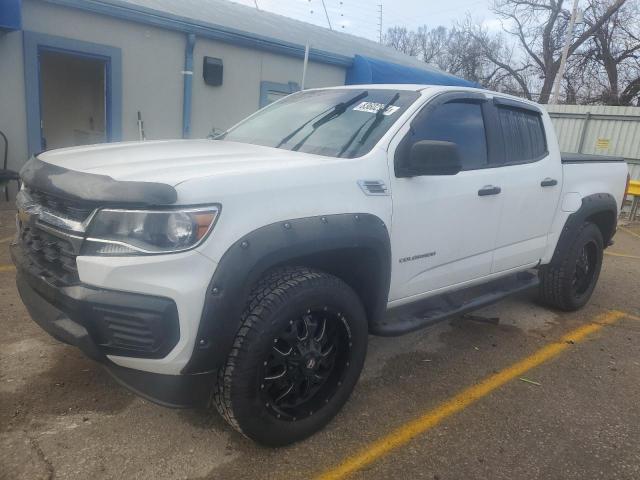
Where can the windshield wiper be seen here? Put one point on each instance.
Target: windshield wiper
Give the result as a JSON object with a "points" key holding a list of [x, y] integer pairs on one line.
{"points": [[334, 113], [376, 121], [297, 130], [339, 109], [379, 118], [328, 111]]}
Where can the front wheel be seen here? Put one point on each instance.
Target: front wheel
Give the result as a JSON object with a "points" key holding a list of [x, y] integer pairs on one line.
{"points": [[296, 357], [569, 284]]}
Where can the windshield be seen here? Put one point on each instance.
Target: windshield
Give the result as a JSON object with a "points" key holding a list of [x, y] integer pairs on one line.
{"points": [[337, 123]]}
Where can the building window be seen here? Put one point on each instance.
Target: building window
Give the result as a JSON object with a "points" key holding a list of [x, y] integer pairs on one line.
{"points": [[272, 91]]}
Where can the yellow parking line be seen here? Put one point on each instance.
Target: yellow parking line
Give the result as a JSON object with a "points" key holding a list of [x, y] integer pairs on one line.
{"points": [[614, 254], [407, 432], [7, 268], [630, 232], [7, 239]]}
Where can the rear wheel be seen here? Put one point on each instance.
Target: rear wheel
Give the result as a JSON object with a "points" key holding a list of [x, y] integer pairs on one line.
{"points": [[569, 284], [296, 357]]}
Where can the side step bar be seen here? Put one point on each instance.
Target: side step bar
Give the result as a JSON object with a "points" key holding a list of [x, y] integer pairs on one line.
{"points": [[429, 311]]}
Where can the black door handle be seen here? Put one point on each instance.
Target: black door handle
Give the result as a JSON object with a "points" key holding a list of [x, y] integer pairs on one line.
{"points": [[549, 182], [489, 190]]}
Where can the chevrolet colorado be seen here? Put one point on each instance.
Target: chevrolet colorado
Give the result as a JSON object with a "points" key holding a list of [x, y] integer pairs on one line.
{"points": [[248, 271]]}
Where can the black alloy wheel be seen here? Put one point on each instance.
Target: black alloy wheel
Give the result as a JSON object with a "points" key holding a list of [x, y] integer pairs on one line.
{"points": [[585, 267], [296, 358], [307, 363]]}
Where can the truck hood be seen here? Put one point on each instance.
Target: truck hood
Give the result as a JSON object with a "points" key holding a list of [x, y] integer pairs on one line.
{"points": [[174, 161]]}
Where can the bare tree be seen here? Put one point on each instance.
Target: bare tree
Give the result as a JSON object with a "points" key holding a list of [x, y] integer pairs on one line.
{"points": [[433, 45], [539, 27], [517, 73], [614, 50], [402, 40], [604, 53], [452, 50]]}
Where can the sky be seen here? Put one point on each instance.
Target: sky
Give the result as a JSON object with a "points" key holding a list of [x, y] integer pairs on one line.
{"points": [[361, 17]]}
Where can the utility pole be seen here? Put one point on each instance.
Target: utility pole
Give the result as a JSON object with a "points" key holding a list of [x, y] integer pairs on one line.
{"points": [[380, 22], [304, 65], [565, 53]]}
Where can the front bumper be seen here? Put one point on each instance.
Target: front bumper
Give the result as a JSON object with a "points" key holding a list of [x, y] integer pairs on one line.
{"points": [[102, 323]]}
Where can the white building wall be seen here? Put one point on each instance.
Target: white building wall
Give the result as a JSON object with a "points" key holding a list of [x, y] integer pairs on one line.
{"points": [[152, 61], [243, 71], [152, 65], [13, 114]]}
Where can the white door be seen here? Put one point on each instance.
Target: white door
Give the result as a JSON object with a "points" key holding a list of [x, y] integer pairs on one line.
{"points": [[444, 226], [531, 181]]}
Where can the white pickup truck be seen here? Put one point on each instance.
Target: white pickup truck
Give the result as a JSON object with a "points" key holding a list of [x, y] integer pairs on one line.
{"points": [[247, 271]]}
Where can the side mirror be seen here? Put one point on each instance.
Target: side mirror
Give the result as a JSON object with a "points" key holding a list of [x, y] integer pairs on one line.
{"points": [[433, 157]]}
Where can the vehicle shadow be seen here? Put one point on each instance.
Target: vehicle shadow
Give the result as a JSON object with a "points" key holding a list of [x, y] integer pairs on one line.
{"points": [[69, 384]]}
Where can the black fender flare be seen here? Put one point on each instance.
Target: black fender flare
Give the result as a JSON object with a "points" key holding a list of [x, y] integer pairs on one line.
{"points": [[594, 204], [278, 244]]}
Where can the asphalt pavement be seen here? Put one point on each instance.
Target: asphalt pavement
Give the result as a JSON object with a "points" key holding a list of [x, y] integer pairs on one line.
{"points": [[515, 392]]}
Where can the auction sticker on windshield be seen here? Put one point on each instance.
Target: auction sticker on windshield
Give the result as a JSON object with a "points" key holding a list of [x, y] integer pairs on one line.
{"points": [[373, 107]]}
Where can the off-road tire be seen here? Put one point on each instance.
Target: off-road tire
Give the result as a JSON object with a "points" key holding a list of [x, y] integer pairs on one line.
{"points": [[274, 299], [557, 287]]}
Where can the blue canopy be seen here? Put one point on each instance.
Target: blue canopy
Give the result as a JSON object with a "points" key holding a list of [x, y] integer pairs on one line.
{"points": [[370, 70], [10, 15]]}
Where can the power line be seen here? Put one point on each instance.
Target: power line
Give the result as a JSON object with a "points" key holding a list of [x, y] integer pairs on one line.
{"points": [[360, 17], [363, 16], [395, 18]]}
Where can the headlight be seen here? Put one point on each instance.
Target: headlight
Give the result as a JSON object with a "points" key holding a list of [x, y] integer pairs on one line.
{"points": [[146, 232]]}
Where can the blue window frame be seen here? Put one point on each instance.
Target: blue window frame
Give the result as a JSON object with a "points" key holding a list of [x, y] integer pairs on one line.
{"points": [[272, 91], [34, 44]]}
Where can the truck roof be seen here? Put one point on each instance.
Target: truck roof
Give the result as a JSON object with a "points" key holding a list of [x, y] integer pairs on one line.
{"points": [[413, 87], [381, 86]]}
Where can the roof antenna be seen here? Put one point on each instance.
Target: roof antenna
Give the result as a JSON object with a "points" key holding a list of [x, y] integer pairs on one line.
{"points": [[256, 2]]}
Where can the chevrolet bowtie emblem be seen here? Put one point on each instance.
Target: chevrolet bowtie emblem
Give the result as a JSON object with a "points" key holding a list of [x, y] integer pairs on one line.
{"points": [[26, 208]]}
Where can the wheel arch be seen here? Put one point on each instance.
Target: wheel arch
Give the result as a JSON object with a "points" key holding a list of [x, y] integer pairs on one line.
{"points": [[606, 221], [353, 247], [600, 209]]}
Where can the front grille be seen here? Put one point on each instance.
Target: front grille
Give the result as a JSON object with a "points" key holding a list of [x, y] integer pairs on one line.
{"points": [[74, 210], [52, 256]]}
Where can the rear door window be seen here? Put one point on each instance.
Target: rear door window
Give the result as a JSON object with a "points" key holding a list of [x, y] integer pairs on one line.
{"points": [[522, 134]]}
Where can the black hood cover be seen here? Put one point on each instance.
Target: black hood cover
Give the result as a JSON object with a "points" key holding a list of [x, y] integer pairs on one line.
{"points": [[88, 187]]}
